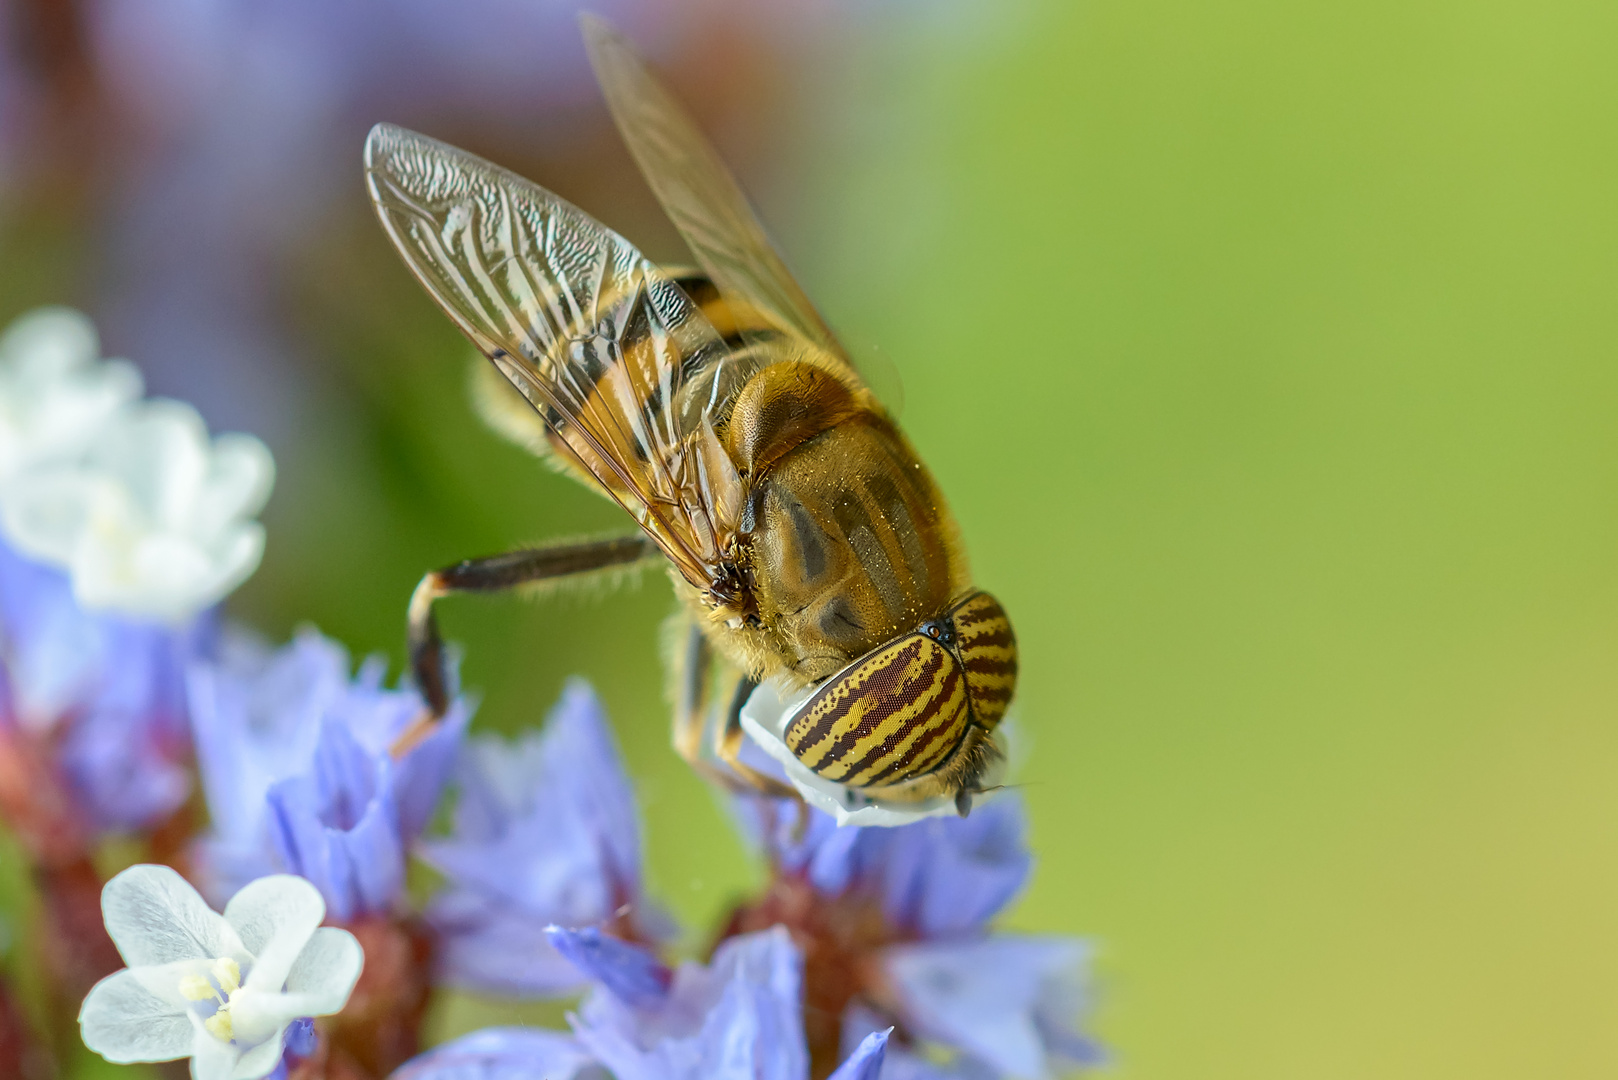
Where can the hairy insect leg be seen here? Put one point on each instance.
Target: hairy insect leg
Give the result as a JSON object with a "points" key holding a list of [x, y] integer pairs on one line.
{"points": [[495, 573], [728, 746], [695, 661], [691, 723]]}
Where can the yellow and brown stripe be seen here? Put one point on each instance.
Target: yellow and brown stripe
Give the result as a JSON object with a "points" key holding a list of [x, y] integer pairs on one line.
{"points": [[639, 409], [892, 715], [988, 652]]}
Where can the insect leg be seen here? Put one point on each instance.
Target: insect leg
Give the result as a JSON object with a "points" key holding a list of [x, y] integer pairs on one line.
{"points": [[496, 573], [696, 662], [728, 746], [691, 722], [691, 697]]}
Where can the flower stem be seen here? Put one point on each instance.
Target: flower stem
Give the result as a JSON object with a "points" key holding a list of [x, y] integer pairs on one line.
{"points": [[379, 1029], [73, 940]]}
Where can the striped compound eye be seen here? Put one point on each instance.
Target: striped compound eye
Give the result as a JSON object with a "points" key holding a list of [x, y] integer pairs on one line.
{"points": [[899, 711], [988, 652]]}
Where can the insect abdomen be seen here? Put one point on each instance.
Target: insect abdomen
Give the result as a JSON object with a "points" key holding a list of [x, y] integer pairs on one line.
{"points": [[896, 714]]}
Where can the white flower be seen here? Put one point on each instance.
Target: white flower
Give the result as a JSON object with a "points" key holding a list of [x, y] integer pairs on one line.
{"points": [[55, 395], [149, 517], [220, 990], [765, 717]]}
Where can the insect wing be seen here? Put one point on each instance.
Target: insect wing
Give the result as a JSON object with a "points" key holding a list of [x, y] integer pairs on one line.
{"points": [[698, 192], [598, 339]]}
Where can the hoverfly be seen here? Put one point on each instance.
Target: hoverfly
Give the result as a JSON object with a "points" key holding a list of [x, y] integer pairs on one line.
{"points": [[806, 539]]}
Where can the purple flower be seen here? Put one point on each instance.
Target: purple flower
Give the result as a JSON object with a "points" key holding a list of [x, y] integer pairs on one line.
{"points": [[297, 766], [1008, 1001], [971, 1004], [936, 877], [122, 527], [300, 1042], [106, 691], [545, 832], [338, 825], [907, 1062], [740, 1018], [504, 1054], [632, 975]]}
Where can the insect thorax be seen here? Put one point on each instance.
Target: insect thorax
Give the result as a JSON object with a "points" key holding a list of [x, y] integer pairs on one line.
{"points": [[848, 544]]}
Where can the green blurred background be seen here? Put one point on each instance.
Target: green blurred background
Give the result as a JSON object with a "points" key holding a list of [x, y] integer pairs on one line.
{"points": [[1266, 353]]}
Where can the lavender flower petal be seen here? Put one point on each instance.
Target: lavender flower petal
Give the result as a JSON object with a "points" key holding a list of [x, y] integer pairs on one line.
{"points": [[581, 754], [486, 945], [124, 777], [739, 1019], [948, 876], [420, 776], [339, 828], [52, 647], [110, 688], [905, 1063], [937, 877], [1010, 1001], [256, 718], [503, 1054], [865, 1063], [291, 722], [300, 1039], [630, 972], [545, 832]]}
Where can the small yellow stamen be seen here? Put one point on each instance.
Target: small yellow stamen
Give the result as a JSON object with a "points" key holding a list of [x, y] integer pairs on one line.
{"points": [[218, 1024], [226, 980], [196, 988], [228, 974]]}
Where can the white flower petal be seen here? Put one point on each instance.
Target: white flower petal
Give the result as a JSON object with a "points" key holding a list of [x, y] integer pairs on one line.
{"points": [[48, 343], [765, 717], [275, 917], [124, 1021], [318, 985], [154, 916], [47, 512], [325, 973], [151, 517], [55, 400], [160, 454], [260, 1060], [158, 566], [163, 980], [234, 555], [211, 1058], [238, 484]]}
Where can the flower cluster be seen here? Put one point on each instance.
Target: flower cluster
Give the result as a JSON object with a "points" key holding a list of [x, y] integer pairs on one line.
{"points": [[869, 954], [297, 763], [545, 832], [149, 517], [895, 923], [120, 523]]}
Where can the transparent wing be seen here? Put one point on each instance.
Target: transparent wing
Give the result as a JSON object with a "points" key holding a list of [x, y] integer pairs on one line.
{"points": [[610, 351], [698, 192]]}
